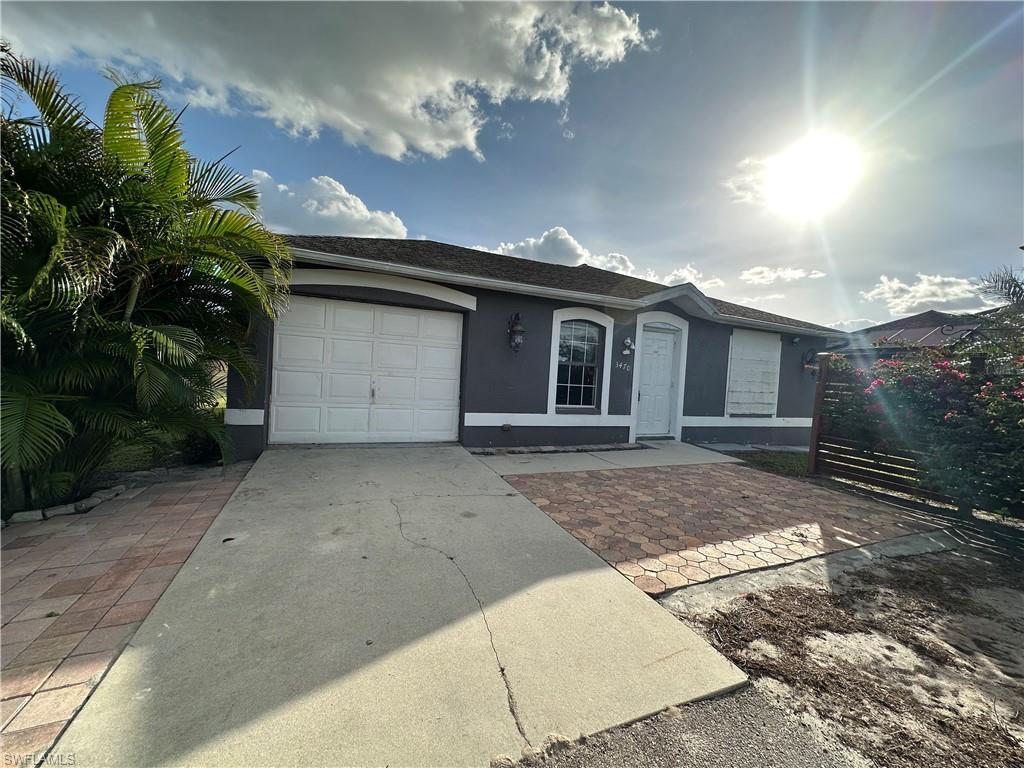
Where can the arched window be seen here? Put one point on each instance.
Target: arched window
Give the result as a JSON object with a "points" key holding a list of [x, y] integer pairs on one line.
{"points": [[579, 364]]}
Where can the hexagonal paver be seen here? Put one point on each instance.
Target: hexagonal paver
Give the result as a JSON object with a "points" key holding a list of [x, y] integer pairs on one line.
{"points": [[668, 527]]}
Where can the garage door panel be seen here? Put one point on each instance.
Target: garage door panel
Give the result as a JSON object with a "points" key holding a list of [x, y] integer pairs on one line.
{"points": [[351, 354], [299, 350], [354, 421], [296, 418], [398, 322], [352, 318], [355, 386], [304, 313], [298, 385], [444, 390], [442, 327], [392, 355], [390, 389], [402, 420], [440, 421], [353, 372], [440, 359]]}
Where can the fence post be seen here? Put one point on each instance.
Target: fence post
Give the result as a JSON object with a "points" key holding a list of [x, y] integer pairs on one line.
{"points": [[819, 401]]}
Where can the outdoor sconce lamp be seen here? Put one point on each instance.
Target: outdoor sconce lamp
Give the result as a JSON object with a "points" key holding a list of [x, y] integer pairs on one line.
{"points": [[516, 332], [627, 346]]}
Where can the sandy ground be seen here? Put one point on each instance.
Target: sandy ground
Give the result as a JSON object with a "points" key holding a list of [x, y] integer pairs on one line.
{"points": [[911, 662]]}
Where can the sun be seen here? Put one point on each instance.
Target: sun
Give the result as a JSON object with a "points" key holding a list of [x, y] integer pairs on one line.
{"points": [[813, 177]]}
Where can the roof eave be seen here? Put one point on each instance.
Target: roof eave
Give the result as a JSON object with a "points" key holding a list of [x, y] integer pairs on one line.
{"points": [[687, 290]]}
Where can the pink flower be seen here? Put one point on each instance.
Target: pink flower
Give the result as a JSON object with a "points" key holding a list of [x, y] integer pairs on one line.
{"points": [[949, 416], [875, 384], [941, 364]]}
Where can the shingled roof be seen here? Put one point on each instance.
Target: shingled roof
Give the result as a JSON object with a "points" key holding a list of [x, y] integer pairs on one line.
{"points": [[443, 257]]}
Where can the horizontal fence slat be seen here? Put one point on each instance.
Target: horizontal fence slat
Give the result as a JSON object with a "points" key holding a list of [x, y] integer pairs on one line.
{"points": [[868, 471], [870, 456], [870, 463], [899, 451], [911, 490]]}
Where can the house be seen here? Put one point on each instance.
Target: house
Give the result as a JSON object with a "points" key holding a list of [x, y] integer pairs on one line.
{"points": [[413, 340], [925, 329]]}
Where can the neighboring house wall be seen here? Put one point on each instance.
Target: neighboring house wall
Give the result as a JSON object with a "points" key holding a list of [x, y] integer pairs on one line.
{"points": [[504, 395]]}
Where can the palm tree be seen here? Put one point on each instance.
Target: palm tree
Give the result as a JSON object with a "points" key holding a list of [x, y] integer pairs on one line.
{"points": [[130, 274]]}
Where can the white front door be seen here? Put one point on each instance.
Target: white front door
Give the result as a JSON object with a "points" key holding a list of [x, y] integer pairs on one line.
{"points": [[657, 381], [347, 372]]}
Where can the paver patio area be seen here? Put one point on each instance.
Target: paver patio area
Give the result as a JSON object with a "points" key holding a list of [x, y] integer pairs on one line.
{"points": [[75, 588], [668, 527]]}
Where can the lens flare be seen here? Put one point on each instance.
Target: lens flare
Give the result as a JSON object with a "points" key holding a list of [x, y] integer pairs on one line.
{"points": [[813, 177]]}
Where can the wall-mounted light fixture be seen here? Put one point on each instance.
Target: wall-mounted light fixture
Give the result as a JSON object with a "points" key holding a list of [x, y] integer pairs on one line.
{"points": [[516, 332], [627, 346]]}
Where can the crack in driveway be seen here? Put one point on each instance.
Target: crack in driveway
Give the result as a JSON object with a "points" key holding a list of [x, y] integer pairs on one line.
{"points": [[512, 706]]}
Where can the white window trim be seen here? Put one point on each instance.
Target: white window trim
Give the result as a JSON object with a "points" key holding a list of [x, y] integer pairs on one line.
{"points": [[385, 282], [580, 313], [683, 327]]}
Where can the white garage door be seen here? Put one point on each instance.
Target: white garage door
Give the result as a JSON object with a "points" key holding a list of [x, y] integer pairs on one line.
{"points": [[346, 372]]}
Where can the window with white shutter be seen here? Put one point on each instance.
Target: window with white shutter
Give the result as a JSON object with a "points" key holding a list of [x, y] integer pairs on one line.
{"points": [[753, 382]]}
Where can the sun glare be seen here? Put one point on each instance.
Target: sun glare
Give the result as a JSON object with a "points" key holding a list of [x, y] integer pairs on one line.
{"points": [[812, 177]]}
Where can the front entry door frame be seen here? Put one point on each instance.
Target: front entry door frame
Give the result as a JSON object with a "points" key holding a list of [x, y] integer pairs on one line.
{"points": [[681, 328]]}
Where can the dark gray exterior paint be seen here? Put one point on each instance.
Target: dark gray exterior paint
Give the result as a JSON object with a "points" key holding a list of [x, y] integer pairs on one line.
{"points": [[754, 435], [496, 380], [796, 383], [707, 365], [479, 437]]}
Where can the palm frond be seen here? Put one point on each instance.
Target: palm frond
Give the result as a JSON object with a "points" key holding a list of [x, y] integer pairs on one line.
{"points": [[33, 429]]}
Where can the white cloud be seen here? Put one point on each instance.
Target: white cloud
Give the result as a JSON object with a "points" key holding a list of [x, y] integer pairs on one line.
{"points": [[769, 275], [557, 246], [690, 274], [399, 78], [321, 206], [927, 292], [760, 299], [854, 324]]}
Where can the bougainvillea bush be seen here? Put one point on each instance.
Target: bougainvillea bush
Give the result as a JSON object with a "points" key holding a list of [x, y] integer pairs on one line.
{"points": [[967, 425]]}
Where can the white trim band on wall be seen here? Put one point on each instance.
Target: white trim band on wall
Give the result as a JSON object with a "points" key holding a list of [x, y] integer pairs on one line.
{"points": [[546, 420], [243, 417], [745, 421]]}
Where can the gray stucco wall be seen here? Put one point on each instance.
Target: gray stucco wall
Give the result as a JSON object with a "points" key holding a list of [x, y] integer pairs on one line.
{"points": [[707, 363], [796, 384], [750, 435], [480, 437]]}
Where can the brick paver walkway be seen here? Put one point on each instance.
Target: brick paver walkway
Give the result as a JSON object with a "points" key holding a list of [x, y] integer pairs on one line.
{"points": [[668, 527], [75, 589]]}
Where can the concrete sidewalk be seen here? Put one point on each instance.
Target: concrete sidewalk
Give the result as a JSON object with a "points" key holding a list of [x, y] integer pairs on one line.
{"points": [[659, 453], [386, 606]]}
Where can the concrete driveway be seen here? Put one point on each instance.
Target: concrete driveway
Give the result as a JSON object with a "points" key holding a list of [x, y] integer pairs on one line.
{"points": [[386, 606]]}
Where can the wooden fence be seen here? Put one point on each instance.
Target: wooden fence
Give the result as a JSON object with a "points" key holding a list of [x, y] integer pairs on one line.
{"points": [[847, 458]]}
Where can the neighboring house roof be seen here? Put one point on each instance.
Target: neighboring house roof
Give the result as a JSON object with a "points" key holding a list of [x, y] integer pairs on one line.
{"points": [[925, 329], [427, 255]]}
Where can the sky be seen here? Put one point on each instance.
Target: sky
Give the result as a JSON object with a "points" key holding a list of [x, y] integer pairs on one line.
{"points": [[636, 137]]}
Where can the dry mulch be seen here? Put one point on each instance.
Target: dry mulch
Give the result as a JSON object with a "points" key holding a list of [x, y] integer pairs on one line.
{"points": [[916, 663]]}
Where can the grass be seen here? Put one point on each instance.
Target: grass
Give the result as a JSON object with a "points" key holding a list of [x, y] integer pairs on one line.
{"points": [[785, 463]]}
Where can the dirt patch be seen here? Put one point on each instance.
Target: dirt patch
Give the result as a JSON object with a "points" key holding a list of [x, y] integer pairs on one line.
{"points": [[916, 662]]}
